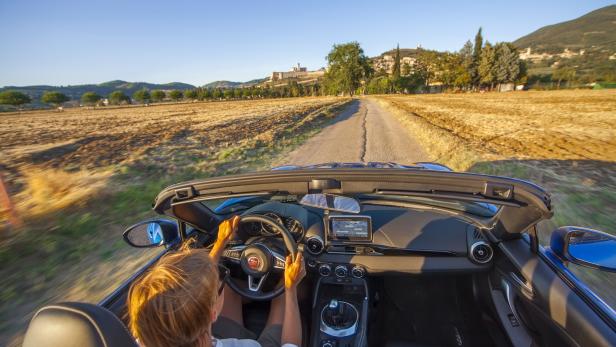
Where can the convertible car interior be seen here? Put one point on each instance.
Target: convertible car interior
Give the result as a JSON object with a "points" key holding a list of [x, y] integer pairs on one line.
{"points": [[395, 257]]}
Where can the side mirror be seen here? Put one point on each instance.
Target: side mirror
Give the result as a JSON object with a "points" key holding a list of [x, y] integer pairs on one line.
{"points": [[586, 247], [152, 233]]}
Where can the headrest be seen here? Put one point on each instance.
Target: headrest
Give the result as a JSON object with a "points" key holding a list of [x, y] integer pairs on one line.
{"points": [[77, 324]]}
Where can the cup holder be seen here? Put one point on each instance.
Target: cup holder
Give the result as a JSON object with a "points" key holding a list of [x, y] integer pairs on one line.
{"points": [[339, 319]]}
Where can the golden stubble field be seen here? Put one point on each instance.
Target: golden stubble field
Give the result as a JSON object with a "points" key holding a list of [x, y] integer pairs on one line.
{"points": [[564, 141], [566, 125], [87, 145], [80, 176]]}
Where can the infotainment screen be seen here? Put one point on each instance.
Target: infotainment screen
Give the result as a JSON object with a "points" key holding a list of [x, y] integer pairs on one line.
{"points": [[350, 228]]}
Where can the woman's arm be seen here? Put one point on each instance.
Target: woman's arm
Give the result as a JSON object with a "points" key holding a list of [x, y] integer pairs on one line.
{"points": [[226, 230], [294, 272]]}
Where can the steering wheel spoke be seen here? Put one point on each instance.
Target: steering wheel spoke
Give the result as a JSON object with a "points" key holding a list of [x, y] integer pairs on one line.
{"points": [[279, 261], [233, 254], [255, 283]]}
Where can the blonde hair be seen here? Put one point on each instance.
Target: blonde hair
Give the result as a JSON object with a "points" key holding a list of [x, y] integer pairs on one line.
{"points": [[172, 304]]}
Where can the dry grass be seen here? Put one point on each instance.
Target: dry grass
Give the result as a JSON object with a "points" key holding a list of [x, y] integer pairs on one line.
{"points": [[49, 190]]}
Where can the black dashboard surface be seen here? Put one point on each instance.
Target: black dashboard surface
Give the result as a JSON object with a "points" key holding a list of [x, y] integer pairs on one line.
{"points": [[416, 230]]}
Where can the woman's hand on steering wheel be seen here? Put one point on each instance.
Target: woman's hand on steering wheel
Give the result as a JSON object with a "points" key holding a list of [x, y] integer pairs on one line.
{"points": [[294, 271], [226, 231]]}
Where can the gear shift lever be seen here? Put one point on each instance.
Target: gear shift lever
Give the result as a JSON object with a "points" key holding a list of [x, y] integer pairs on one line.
{"points": [[339, 315]]}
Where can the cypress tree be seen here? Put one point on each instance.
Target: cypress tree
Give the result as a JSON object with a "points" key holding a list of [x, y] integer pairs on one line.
{"points": [[475, 75], [396, 69]]}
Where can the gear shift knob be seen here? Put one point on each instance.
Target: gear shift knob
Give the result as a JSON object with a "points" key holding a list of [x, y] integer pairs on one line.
{"points": [[333, 304]]}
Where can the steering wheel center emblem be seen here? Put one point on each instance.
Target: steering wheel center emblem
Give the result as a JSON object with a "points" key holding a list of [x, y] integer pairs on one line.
{"points": [[253, 262]]}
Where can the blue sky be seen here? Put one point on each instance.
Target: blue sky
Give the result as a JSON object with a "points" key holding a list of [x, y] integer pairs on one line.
{"points": [[72, 42]]}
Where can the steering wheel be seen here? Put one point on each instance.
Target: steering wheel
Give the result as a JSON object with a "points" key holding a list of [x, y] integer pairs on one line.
{"points": [[258, 260]]}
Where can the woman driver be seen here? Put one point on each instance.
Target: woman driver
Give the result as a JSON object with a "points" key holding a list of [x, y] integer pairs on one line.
{"points": [[182, 301]]}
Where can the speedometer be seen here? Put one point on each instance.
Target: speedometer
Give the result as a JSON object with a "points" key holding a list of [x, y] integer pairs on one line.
{"points": [[295, 228], [266, 228]]}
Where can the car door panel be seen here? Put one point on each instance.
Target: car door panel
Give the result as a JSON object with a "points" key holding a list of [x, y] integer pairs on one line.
{"points": [[551, 310]]}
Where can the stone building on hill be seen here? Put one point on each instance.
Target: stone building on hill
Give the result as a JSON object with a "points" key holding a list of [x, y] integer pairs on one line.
{"points": [[296, 72]]}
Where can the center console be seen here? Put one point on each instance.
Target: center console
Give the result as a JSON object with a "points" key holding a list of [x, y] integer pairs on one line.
{"points": [[340, 312]]}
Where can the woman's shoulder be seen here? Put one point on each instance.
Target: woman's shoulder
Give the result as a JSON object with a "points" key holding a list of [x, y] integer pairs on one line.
{"points": [[235, 343]]}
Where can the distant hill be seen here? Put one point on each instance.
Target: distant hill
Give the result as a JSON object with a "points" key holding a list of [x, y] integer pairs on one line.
{"points": [[592, 30], [104, 89], [404, 52], [231, 84], [586, 44]]}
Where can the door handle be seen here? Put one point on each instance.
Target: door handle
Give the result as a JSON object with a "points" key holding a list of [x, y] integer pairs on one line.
{"points": [[525, 287]]}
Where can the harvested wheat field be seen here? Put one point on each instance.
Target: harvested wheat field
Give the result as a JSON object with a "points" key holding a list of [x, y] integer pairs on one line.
{"points": [[575, 124], [79, 177]]}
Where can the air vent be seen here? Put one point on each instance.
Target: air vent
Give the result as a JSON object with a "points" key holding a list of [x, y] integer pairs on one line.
{"points": [[481, 252], [315, 245]]}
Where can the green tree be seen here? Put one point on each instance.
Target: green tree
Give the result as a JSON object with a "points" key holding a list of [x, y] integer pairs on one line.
{"points": [[294, 89], [157, 95], [228, 93], [191, 94], [477, 50], [54, 98], [379, 85], [143, 96], [425, 66], [487, 66], [90, 98], [217, 93], [406, 69], [204, 93], [14, 98], [467, 56], [347, 66], [564, 73], [176, 95], [396, 69], [118, 98]]}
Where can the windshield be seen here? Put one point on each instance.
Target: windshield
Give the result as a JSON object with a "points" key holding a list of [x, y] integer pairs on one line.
{"points": [[225, 206]]}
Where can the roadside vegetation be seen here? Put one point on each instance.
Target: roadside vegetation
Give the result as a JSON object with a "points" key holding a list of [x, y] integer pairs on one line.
{"points": [[564, 141], [79, 177]]}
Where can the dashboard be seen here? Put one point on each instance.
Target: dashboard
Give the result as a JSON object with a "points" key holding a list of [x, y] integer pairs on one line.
{"points": [[379, 240]]}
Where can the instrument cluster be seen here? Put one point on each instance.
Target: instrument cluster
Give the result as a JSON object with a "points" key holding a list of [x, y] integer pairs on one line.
{"points": [[294, 226]]}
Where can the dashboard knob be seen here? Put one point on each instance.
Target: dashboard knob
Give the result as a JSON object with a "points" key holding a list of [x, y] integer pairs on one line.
{"points": [[358, 272], [327, 344], [341, 271], [325, 270]]}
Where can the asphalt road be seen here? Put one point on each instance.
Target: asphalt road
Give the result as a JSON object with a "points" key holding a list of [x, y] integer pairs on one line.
{"points": [[364, 132]]}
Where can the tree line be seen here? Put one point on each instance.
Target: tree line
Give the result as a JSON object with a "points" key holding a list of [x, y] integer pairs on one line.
{"points": [[145, 96], [477, 66]]}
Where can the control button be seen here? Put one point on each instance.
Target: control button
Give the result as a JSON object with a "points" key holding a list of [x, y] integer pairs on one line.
{"points": [[341, 271], [358, 272], [325, 270], [327, 344], [279, 263], [312, 263]]}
